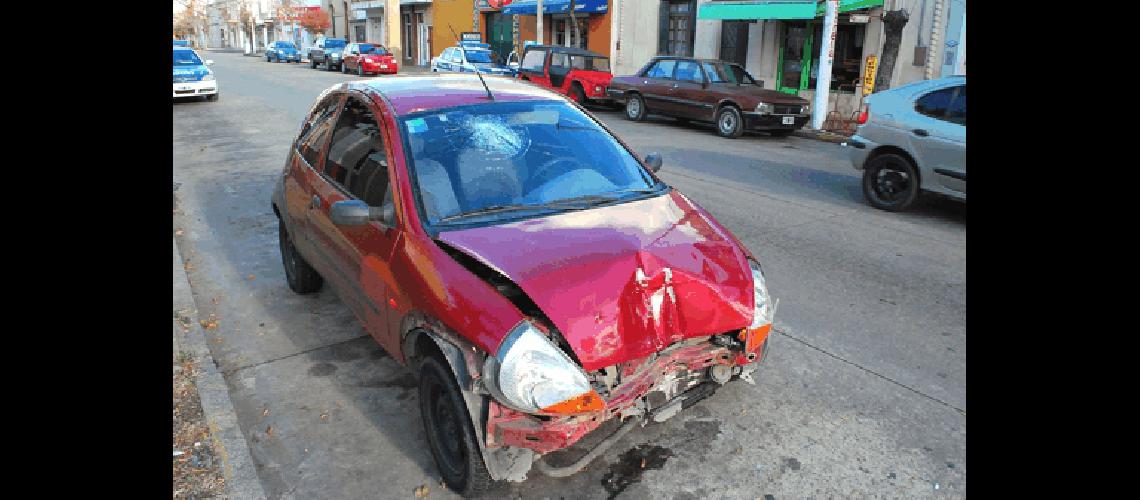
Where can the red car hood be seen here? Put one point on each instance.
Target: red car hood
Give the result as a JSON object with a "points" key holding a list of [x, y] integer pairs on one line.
{"points": [[623, 281]]}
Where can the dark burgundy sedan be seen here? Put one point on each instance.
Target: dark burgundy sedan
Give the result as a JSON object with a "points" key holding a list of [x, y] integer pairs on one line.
{"points": [[521, 260], [708, 90]]}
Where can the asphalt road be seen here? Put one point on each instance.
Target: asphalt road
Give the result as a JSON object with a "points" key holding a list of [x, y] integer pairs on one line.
{"points": [[864, 392]]}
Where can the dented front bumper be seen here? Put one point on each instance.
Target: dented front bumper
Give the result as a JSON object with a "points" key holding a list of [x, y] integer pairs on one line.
{"points": [[655, 387]]}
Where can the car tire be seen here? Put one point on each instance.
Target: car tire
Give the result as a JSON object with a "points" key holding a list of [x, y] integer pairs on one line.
{"points": [[360, 69], [450, 435], [301, 276], [577, 94], [212, 97], [267, 58], [890, 182], [635, 108], [781, 132], [329, 66], [312, 63], [729, 122]]}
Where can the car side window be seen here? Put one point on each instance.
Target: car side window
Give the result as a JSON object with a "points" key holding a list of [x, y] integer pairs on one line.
{"points": [[446, 55], [457, 56], [689, 71], [559, 61], [358, 157], [534, 60], [934, 104], [662, 69], [316, 130], [956, 112]]}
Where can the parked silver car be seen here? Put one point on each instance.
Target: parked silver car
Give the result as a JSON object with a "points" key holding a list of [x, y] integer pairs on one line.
{"points": [[912, 139]]}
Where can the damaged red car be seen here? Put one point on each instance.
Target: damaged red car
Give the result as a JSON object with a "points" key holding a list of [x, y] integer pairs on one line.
{"points": [[530, 268]]}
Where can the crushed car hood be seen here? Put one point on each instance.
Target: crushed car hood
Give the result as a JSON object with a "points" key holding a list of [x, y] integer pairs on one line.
{"points": [[623, 281]]}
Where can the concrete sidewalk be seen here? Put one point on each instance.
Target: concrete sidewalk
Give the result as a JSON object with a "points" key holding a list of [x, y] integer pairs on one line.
{"points": [[237, 464]]}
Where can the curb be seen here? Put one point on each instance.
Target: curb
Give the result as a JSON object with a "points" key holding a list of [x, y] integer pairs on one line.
{"points": [[821, 135], [237, 463]]}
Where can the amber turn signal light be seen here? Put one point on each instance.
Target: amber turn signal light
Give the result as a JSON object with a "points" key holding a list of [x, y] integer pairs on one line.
{"points": [[755, 337], [585, 403]]}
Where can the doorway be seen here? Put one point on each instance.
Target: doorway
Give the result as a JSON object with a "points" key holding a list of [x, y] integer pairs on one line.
{"points": [[424, 37], [500, 34], [734, 41], [794, 69]]}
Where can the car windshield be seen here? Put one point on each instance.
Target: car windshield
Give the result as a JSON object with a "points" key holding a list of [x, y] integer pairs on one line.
{"points": [[479, 56], [728, 73], [517, 159], [186, 58], [285, 45], [590, 63], [366, 48], [331, 44]]}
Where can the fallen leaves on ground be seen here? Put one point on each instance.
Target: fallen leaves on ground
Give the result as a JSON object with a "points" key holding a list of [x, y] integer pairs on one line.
{"points": [[209, 323], [422, 491], [197, 471]]}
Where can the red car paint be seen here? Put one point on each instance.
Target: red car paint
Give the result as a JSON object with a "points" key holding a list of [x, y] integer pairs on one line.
{"points": [[593, 83], [581, 273], [580, 268]]}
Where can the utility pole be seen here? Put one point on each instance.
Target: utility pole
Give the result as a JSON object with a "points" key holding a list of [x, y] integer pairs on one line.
{"points": [[538, 12], [826, 54]]}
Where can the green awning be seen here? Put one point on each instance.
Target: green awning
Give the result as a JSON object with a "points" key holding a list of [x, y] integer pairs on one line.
{"points": [[775, 9]]}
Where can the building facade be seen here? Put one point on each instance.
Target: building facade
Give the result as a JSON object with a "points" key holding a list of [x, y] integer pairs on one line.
{"points": [[507, 24]]}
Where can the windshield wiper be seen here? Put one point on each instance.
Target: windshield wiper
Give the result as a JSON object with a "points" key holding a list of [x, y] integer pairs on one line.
{"points": [[492, 209]]}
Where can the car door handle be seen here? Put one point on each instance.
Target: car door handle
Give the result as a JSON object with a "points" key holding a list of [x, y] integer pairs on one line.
{"points": [[920, 132], [315, 203]]}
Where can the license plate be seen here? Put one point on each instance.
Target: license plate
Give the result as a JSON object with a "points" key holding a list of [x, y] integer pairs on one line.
{"points": [[383, 66], [789, 120], [183, 87]]}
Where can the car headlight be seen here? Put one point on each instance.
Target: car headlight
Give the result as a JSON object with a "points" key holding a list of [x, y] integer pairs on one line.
{"points": [[763, 311], [208, 78], [334, 55], [805, 109], [531, 374], [764, 108]]}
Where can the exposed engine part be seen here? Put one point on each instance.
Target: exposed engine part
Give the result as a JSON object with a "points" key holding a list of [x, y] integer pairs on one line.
{"points": [[746, 374], [720, 374], [728, 340], [573, 468]]}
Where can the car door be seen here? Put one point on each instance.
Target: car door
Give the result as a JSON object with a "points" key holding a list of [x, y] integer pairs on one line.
{"points": [[305, 163], [559, 67], [357, 167], [655, 86], [939, 139], [533, 67], [684, 94]]}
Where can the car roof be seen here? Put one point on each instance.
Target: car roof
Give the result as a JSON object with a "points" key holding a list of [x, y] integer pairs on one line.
{"points": [[697, 59], [565, 50], [414, 93]]}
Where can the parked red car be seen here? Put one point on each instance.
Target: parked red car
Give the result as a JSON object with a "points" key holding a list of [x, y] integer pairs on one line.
{"points": [[529, 268], [580, 74], [366, 58]]}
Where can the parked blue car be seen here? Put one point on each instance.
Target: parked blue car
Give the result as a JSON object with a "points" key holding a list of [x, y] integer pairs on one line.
{"points": [[182, 43], [282, 50]]}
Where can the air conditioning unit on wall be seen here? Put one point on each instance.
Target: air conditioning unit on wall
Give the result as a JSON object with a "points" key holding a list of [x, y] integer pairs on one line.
{"points": [[920, 56]]}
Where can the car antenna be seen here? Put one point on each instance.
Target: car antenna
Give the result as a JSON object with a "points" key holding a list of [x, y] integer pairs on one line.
{"points": [[477, 73]]}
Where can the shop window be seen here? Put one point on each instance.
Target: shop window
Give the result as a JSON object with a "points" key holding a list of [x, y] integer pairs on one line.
{"points": [[846, 62]]}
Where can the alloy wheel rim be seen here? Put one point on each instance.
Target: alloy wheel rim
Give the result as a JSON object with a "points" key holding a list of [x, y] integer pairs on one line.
{"points": [[892, 183], [633, 108], [727, 122]]}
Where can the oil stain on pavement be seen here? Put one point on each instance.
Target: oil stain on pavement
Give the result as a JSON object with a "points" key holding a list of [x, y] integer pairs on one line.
{"points": [[629, 467]]}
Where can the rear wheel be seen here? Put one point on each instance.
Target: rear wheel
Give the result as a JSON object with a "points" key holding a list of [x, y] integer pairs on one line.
{"points": [[890, 182], [267, 58], [729, 123], [450, 434], [212, 97], [360, 69], [635, 108], [302, 278], [312, 63]]}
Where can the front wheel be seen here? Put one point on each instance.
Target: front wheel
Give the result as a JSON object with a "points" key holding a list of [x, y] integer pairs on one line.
{"points": [[302, 278], [890, 182], [635, 108], [450, 434], [578, 94], [312, 63], [729, 123]]}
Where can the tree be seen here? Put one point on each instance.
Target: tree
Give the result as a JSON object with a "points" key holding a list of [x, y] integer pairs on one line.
{"points": [[315, 21], [893, 23]]}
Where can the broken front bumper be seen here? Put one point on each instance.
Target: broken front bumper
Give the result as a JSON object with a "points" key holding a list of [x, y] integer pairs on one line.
{"points": [[656, 387]]}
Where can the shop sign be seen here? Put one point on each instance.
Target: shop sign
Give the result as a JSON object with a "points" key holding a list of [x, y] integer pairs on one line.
{"points": [[471, 36], [869, 74], [859, 18]]}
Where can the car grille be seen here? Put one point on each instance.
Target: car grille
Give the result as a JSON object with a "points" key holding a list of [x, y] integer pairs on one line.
{"points": [[186, 78], [191, 91], [786, 110]]}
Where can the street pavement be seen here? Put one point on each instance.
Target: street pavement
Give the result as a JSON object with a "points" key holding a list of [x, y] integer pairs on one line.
{"points": [[863, 394]]}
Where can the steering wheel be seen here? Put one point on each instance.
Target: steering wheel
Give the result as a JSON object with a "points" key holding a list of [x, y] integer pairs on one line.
{"points": [[543, 173]]}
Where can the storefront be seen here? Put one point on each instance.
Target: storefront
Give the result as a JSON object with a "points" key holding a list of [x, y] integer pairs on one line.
{"points": [[798, 29], [416, 32], [592, 16]]}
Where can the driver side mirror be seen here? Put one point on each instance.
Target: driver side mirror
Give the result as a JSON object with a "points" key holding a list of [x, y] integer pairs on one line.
{"points": [[358, 213], [654, 161]]}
